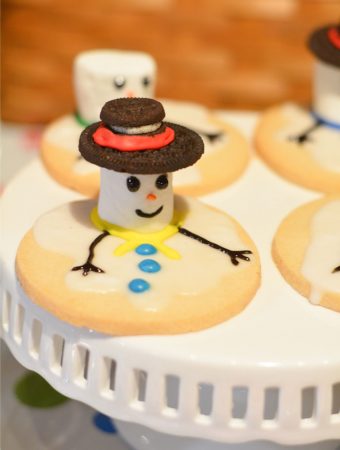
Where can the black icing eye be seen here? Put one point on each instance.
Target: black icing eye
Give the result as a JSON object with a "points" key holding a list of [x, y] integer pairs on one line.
{"points": [[162, 182], [146, 81], [119, 81], [133, 184]]}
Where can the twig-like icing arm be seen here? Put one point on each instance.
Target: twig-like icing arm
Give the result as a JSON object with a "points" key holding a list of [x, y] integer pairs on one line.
{"points": [[304, 137], [212, 137], [234, 255], [337, 269], [88, 266]]}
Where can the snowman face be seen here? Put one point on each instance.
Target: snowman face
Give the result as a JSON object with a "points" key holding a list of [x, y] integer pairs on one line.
{"points": [[139, 202], [103, 75]]}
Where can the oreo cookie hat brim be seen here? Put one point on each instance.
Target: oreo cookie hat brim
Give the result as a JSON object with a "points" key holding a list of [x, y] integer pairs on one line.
{"points": [[322, 46], [184, 151]]}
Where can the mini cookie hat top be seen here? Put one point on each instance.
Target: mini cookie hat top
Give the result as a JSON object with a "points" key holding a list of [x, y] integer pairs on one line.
{"points": [[133, 138], [324, 42]]}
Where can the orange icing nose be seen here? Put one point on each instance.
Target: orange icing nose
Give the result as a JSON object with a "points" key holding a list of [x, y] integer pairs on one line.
{"points": [[151, 197], [130, 94]]}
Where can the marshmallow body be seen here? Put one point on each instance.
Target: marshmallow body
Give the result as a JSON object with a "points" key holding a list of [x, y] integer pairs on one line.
{"points": [[326, 102], [102, 75]]}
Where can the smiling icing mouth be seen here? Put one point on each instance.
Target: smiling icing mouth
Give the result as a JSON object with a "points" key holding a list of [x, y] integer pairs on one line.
{"points": [[141, 213]]}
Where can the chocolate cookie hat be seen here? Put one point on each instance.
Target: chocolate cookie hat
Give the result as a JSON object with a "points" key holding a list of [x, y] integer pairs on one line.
{"points": [[133, 138], [324, 42]]}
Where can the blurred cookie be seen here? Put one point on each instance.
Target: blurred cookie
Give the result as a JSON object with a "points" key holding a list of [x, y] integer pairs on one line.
{"points": [[99, 76], [302, 145], [225, 159], [306, 249]]}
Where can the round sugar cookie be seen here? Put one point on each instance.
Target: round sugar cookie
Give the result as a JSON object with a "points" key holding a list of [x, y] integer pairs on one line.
{"points": [[177, 285], [225, 159], [289, 141], [306, 249]]}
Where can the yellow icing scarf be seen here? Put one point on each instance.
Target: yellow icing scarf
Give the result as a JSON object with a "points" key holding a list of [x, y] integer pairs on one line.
{"points": [[134, 239]]}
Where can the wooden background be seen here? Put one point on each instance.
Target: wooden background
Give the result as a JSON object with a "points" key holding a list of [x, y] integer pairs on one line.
{"points": [[223, 53]]}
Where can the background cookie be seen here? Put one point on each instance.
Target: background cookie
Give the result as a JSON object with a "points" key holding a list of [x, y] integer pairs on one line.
{"points": [[225, 159], [315, 163], [199, 290], [303, 145], [306, 251], [99, 76]]}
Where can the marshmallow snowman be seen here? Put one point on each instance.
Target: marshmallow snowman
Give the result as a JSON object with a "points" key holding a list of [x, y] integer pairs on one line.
{"points": [[326, 99], [138, 202], [102, 75], [137, 153], [325, 45]]}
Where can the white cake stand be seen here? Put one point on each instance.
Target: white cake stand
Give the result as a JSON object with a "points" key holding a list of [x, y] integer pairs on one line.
{"points": [[268, 378]]}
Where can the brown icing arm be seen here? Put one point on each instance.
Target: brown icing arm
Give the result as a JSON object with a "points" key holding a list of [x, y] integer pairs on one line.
{"points": [[337, 269], [212, 137], [234, 255], [304, 137], [88, 266]]}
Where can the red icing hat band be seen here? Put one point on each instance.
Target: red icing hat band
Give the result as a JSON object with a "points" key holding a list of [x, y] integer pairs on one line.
{"points": [[130, 143], [334, 37]]}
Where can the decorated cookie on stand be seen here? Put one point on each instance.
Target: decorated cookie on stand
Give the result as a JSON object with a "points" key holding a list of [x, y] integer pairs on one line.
{"points": [[102, 75], [306, 249], [302, 144], [138, 261], [99, 76]]}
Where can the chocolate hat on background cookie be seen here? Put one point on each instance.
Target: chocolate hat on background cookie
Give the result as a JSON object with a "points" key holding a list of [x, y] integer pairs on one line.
{"points": [[324, 42], [133, 138]]}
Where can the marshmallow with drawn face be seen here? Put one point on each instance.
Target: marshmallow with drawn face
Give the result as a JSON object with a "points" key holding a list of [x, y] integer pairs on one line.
{"points": [[143, 203], [326, 100], [324, 43], [102, 75]]}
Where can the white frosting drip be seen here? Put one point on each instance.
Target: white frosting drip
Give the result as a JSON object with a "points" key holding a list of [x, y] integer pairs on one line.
{"points": [[118, 205], [196, 117], [67, 230], [326, 102], [325, 142], [95, 73], [64, 133], [323, 252], [138, 130]]}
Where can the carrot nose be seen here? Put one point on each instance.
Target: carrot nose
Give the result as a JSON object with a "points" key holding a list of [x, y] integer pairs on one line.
{"points": [[151, 196], [130, 94]]}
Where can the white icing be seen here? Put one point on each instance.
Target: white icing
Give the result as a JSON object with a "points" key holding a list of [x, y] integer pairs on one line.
{"points": [[64, 133], [189, 175], [118, 205], [95, 72], [324, 143], [138, 130], [326, 101], [195, 117], [67, 230], [323, 252]]}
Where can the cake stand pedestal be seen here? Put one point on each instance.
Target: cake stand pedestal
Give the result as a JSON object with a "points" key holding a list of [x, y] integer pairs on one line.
{"points": [[270, 374]]}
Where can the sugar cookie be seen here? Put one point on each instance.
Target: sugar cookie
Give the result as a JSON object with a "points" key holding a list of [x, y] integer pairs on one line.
{"points": [[306, 249], [138, 261]]}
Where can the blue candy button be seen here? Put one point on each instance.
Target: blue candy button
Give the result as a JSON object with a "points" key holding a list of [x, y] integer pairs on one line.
{"points": [[146, 249], [138, 285], [104, 423], [149, 266]]}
